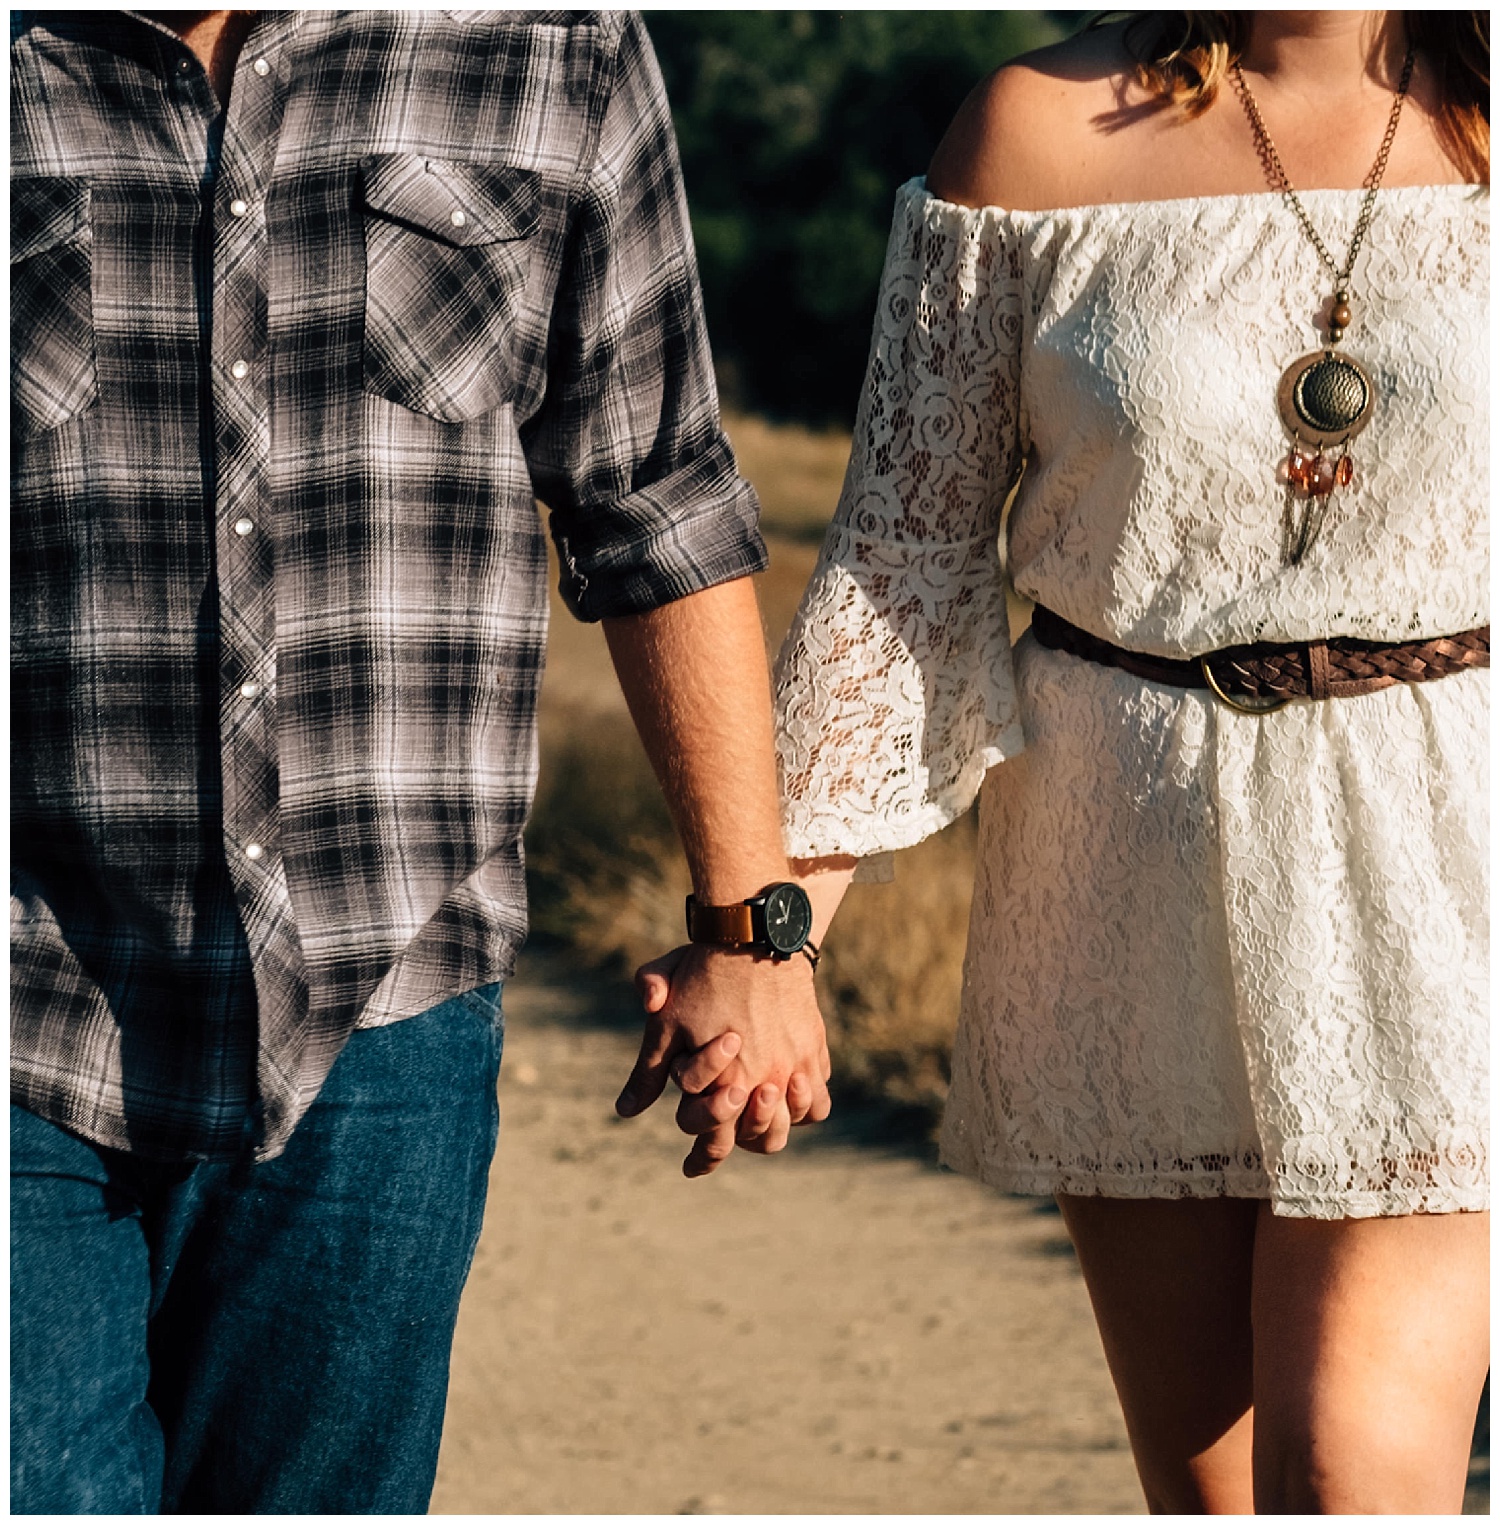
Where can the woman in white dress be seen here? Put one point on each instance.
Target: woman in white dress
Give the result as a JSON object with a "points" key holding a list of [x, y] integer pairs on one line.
{"points": [[1225, 993]]}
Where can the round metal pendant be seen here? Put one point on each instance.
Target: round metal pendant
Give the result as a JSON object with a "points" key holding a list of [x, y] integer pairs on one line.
{"points": [[1325, 398]]}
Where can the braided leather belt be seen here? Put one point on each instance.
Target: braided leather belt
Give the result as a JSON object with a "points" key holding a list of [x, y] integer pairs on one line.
{"points": [[1258, 678]]}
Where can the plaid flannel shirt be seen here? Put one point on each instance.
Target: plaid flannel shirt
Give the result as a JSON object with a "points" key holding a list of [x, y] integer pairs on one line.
{"points": [[286, 382]]}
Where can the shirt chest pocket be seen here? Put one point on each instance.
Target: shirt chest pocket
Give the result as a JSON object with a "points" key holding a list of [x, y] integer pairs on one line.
{"points": [[447, 256], [53, 374]]}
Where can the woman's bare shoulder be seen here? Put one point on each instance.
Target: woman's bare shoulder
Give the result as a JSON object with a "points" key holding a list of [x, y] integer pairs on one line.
{"points": [[1029, 136]]}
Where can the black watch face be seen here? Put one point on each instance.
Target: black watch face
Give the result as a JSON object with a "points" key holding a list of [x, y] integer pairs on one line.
{"points": [[788, 918]]}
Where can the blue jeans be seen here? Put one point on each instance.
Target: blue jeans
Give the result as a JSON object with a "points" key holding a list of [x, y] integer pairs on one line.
{"points": [[233, 1338]]}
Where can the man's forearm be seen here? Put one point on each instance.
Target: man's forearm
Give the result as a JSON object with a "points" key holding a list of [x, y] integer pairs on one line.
{"points": [[695, 677]]}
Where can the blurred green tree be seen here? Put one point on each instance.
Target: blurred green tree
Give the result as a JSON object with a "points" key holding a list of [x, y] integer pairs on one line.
{"points": [[796, 128]]}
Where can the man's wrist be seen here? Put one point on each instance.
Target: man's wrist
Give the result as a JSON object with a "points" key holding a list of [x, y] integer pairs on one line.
{"points": [[777, 922], [754, 958]]}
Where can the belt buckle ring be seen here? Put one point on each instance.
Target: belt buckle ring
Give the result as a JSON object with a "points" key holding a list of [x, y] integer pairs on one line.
{"points": [[1258, 707]]}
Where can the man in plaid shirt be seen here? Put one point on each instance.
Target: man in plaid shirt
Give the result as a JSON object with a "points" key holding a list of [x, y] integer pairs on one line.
{"points": [[308, 308]]}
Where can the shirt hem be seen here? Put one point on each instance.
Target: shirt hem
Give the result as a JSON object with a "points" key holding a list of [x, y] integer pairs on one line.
{"points": [[463, 987]]}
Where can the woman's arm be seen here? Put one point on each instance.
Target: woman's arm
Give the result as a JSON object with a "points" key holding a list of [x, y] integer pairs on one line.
{"points": [[826, 880]]}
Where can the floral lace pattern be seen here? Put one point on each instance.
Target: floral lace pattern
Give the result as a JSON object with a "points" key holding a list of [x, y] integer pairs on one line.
{"points": [[1208, 953]]}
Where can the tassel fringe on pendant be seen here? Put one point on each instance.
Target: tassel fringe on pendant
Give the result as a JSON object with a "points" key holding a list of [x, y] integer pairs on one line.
{"points": [[1325, 399]]}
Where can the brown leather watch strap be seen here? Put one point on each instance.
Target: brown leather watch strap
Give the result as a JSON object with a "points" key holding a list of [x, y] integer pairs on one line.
{"points": [[729, 924]]}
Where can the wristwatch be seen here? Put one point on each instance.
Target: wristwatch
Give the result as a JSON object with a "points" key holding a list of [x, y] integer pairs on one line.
{"points": [[776, 921]]}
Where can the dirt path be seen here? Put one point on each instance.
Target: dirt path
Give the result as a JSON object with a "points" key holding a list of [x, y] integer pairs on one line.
{"points": [[837, 1330]]}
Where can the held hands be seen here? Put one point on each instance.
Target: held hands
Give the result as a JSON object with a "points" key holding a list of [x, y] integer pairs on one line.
{"points": [[742, 1036]]}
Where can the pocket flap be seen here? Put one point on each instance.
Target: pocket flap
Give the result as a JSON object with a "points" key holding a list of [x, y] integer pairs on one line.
{"points": [[459, 203], [45, 210]]}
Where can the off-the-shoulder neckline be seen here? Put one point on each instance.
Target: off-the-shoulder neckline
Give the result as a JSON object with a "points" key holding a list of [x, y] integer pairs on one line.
{"points": [[918, 185]]}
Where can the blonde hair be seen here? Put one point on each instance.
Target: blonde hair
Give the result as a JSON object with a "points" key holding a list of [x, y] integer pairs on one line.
{"points": [[1182, 57]]}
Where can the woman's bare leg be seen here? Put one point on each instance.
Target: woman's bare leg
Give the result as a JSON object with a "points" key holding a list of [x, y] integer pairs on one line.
{"points": [[1371, 1345], [1369, 1349], [1171, 1287]]}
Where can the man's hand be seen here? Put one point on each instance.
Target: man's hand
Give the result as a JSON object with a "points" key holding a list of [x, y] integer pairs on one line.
{"points": [[743, 1037]]}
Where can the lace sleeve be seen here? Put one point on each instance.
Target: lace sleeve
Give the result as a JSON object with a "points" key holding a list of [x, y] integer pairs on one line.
{"points": [[893, 688]]}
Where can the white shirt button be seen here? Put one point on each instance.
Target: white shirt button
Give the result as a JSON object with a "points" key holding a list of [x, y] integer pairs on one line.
{"points": [[249, 690], [458, 218], [254, 851], [243, 526], [240, 369], [261, 67], [238, 207]]}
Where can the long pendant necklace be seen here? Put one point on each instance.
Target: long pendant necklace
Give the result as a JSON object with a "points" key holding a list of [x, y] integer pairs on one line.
{"points": [[1325, 398]]}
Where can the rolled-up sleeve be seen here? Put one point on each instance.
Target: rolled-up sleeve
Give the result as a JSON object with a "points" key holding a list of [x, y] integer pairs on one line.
{"points": [[627, 451]]}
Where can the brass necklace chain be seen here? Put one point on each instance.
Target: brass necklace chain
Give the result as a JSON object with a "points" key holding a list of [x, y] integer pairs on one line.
{"points": [[1277, 175], [1325, 398]]}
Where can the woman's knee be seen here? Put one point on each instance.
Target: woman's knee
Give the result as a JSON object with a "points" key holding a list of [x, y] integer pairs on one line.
{"points": [[1352, 1464], [1214, 1481], [1371, 1343]]}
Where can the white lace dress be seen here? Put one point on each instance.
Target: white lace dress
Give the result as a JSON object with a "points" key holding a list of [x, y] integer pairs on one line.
{"points": [[1209, 954]]}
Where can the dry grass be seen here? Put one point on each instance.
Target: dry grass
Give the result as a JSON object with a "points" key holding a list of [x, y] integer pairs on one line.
{"points": [[608, 880]]}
